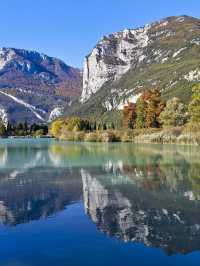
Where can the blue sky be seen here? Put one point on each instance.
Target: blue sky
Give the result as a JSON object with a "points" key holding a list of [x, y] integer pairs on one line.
{"points": [[69, 29]]}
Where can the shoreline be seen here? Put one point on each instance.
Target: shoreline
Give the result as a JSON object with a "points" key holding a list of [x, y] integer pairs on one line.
{"points": [[146, 136], [150, 136]]}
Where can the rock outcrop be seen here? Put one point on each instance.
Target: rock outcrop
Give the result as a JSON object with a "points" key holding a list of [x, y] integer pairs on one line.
{"points": [[112, 57]]}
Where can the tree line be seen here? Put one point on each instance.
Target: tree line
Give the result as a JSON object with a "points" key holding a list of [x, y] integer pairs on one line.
{"points": [[151, 111], [22, 129]]}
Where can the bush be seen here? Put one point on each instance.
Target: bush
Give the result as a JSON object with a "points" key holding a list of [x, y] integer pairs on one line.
{"points": [[192, 128], [39, 132], [91, 137], [67, 135], [109, 136], [79, 136], [165, 136], [128, 136]]}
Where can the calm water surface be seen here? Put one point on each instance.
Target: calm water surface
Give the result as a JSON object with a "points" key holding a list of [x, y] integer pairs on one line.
{"points": [[98, 204]]}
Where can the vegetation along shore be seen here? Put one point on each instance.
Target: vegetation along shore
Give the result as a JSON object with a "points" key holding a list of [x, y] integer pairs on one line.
{"points": [[150, 120]]}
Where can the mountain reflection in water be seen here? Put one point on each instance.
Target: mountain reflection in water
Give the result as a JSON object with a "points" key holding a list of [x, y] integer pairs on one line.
{"points": [[146, 194]]}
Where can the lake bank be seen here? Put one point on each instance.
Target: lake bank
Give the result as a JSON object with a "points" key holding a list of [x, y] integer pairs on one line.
{"points": [[178, 135]]}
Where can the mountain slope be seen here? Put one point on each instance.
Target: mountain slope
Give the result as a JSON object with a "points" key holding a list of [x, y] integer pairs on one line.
{"points": [[164, 54], [34, 86]]}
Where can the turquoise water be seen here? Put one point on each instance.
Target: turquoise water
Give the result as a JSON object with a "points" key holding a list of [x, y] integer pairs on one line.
{"points": [[98, 204]]}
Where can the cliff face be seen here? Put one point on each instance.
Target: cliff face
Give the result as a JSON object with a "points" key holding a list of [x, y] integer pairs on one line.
{"points": [[113, 57], [164, 54]]}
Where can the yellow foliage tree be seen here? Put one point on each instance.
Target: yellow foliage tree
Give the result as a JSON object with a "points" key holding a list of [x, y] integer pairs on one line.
{"points": [[56, 127]]}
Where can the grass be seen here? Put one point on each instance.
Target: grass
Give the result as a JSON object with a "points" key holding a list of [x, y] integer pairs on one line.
{"points": [[188, 135]]}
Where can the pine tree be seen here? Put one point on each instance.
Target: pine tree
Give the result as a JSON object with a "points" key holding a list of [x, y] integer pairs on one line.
{"points": [[112, 126]]}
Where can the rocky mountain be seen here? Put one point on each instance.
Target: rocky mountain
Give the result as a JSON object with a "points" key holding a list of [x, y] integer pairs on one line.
{"points": [[164, 54], [35, 87]]}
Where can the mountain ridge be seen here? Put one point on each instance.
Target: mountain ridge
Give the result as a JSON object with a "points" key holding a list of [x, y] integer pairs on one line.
{"points": [[34, 86]]}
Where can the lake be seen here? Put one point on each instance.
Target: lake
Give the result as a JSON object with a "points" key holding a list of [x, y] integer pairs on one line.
{"points": [[98, 204]]}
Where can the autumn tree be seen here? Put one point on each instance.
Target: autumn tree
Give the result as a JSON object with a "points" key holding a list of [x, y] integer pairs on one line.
{"points": [[148, 108], [175, 113], [194, 106], [56, 127], [129, 115], [155, 105]]}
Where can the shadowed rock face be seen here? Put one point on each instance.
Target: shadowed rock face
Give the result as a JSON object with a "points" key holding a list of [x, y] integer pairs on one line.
{"points": [[30, 81]]}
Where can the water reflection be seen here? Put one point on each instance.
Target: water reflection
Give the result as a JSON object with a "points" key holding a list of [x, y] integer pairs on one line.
{"points": [[146, 194], [37, 193]]}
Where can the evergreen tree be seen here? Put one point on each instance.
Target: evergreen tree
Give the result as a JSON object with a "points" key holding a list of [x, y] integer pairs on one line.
{"points": [[141, 107], [25, 127], [112, 126], [9, 129], [194, 106], [104, 127], [95, 126]]}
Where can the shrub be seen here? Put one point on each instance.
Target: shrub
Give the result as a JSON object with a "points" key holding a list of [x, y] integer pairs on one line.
{"points": [[39, 132], [109, 136], [192, 128], [128, 136], [67, 135], [91, 137], [79, 136]]}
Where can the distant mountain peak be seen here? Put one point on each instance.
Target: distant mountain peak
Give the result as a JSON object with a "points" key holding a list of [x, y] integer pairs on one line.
{"points": [[51, 82]]}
